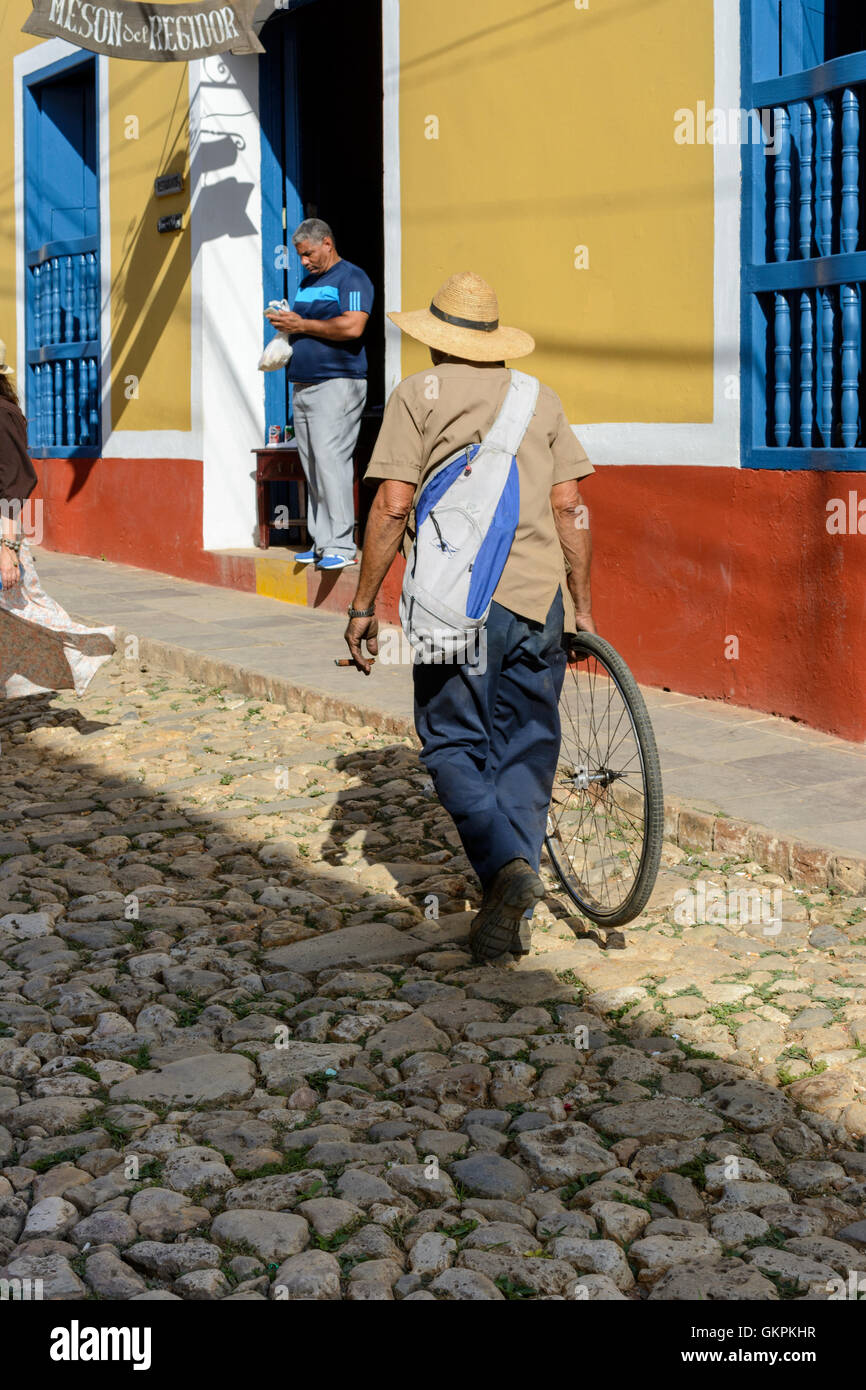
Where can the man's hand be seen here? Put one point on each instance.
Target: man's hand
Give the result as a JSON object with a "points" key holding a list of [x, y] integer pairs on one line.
{"points": [[360, 630], [385, 526], [285, 320], [585, 622], [10, 572]]}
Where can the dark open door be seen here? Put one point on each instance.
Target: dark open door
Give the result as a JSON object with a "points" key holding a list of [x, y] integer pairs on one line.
{"points": [[321, 120]]}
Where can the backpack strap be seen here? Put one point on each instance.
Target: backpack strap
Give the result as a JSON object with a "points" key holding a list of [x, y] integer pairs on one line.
{"points": [[512, 422]]}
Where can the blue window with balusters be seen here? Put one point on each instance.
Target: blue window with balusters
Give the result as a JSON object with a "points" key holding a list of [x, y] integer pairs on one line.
{"points": [[62, 261], [804, 262]]}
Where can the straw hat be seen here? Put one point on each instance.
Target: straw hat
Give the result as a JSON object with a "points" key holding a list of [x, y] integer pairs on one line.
{"points": [[463, 321], [4, 369]]}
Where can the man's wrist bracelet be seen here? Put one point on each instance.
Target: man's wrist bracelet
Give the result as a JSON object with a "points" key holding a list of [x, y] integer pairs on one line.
{"points": [[11, 545], [361, 612]]}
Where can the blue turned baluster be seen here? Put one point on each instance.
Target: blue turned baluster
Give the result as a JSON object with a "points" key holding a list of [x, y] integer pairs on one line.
{"points": [[55, 300], [81, 296], [807, 370], [34, 404], [782, 202], [807, 161], [93, 393], [66, 300], [69, 375], [45, 435], [825, 247], [782, 248], [807, 361], [83, 404], [58, 402], [46, 372], [92, 295], [74, 305], [849, 237], [45, 296], [37, 305]]}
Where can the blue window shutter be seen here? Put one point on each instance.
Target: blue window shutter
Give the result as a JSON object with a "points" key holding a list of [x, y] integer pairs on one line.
{"points": [[803, 236], [62, 255]]}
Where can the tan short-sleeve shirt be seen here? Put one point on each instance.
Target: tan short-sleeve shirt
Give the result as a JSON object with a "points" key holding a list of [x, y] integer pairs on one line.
{"points": [[436, 412]]}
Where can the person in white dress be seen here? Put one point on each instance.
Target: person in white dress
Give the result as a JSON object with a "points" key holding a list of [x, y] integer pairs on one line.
{"points": [[41, 647]]}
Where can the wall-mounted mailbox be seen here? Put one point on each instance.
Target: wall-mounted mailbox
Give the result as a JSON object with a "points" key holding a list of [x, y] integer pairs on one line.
{"points": [[172, 223], [168, 183]]}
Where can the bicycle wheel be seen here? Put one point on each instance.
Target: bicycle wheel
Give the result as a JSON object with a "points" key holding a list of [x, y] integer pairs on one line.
{"points": [[606, 819]]}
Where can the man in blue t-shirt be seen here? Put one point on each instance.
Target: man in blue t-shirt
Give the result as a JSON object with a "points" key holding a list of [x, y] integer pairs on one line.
{"points": [[329, 373]]}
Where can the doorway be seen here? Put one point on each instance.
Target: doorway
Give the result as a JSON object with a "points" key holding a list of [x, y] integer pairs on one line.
{"points": [[321, 121]]}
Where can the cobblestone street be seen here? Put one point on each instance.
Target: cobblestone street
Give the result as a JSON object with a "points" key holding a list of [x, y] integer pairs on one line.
{"points": [[244, 1053]]}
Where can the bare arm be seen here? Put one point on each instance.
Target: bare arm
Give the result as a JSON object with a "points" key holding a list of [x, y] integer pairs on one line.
{"points": [[9, 569], [9, 512], [572, 528], [342, 328], [384, 532]]}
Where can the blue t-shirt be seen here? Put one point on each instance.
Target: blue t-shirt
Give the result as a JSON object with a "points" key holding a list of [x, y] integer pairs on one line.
{"points": [[342, 289]]}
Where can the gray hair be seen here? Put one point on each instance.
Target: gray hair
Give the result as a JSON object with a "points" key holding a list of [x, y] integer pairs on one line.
{"points": [[312, 229]]}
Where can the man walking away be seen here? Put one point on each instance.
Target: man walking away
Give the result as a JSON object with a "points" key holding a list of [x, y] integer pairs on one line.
{"points": [[329, 373], [490, 734]]}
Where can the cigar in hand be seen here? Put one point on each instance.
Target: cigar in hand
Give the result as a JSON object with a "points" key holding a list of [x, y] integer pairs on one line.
{"points": [[347, 660]]}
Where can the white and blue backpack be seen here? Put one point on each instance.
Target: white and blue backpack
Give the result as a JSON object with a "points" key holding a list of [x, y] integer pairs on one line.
{"points": [[465, 519]]}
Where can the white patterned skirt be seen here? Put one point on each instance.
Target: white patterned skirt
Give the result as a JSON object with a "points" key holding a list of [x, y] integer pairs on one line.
{"points": [[41, 648]]}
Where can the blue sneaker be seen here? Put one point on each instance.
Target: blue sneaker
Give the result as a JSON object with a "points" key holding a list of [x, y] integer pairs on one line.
{"points": [[335, 562], [306, 557]]}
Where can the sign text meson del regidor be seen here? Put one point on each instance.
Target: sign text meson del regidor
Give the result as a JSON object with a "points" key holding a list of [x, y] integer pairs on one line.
{"points": [[156, 33]]}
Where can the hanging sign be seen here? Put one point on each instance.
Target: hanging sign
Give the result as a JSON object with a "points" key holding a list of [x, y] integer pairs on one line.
{"points": [[148, 33]]}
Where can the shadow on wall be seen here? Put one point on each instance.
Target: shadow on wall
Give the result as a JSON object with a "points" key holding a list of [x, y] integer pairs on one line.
{"points": [[155, 268]]}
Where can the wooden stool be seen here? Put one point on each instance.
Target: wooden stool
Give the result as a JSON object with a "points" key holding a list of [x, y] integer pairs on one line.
{"points": [[278, 463], [281, 463]]}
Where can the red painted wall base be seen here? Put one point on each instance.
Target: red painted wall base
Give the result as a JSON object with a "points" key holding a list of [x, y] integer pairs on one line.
{"points": [[143, 512], [717, 582], [726, 583]]}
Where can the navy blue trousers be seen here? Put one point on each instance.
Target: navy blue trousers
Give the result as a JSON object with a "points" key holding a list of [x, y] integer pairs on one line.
{"points": [[490, 738]]}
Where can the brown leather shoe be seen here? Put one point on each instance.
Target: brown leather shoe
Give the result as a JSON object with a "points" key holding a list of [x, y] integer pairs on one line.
{"points": [[501, 924]]}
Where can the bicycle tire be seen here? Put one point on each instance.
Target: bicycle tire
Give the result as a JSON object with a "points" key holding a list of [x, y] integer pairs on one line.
{"points": [[588, 646]]}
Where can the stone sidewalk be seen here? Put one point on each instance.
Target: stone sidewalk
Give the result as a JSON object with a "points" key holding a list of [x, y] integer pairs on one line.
{"points": [[727, 770]]}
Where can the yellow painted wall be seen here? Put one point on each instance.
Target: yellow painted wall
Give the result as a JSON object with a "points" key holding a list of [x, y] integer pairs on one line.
{"points": [[150, 273], [556, 131]]}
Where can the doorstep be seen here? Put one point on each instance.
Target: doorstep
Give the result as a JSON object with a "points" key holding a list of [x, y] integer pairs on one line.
{"points": [[275, 573]]}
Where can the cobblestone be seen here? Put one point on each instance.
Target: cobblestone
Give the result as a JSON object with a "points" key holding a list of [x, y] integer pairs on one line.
{"points": [[244, 1052]]}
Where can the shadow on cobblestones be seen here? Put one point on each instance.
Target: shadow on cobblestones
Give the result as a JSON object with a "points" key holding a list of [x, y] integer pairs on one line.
{"points": [[244, 1053]]}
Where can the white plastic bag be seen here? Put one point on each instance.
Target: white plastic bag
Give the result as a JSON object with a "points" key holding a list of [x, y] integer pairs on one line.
{"points": [[278, 352]]}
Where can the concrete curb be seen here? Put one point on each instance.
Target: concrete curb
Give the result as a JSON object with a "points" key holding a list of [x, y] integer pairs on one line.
{"points": [[692, 828]]}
